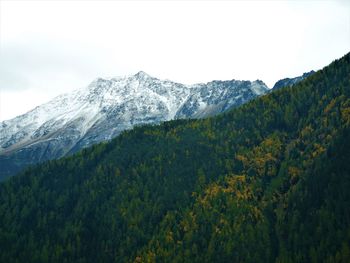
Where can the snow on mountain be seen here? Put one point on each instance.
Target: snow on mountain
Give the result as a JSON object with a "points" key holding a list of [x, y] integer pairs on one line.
{"points": [[106, 107]]}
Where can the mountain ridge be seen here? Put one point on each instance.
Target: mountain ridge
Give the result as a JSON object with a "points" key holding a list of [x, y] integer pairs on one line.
{"points": [[291, 81], [106, 107]]}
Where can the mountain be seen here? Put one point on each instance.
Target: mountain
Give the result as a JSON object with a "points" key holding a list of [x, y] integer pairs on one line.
{"points": [[265, 182], [107, 107], [291, 81]]}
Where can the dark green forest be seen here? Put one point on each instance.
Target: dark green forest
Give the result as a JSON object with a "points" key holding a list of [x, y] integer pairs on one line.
{"points": [[266, 182]]}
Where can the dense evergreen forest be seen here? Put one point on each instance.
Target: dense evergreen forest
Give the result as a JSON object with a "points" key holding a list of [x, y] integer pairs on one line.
{"points": [[266, 182]]}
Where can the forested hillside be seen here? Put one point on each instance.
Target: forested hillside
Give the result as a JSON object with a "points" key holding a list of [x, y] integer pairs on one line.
{"points": [[266, 182]]}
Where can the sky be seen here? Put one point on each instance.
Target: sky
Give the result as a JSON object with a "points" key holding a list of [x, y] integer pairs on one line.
{"points": [[52, 47]]}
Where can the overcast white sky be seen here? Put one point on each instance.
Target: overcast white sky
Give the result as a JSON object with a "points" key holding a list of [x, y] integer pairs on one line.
{"points": [[51, 47]]}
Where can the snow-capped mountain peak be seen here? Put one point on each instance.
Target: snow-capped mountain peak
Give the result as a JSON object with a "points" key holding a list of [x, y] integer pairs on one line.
{"points": [[108, 106]]}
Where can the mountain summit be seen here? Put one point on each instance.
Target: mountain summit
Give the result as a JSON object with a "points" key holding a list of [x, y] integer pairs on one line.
{"points": [[105, 108]]}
